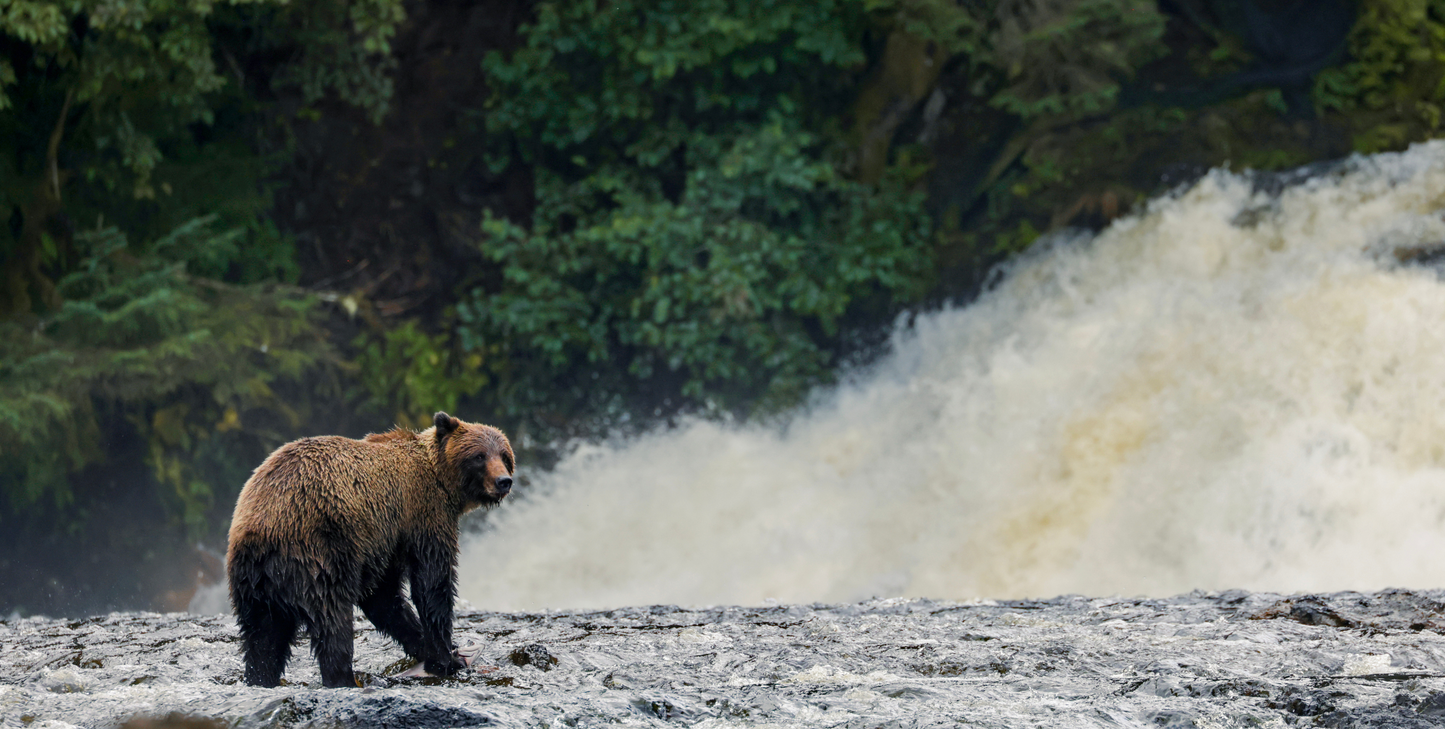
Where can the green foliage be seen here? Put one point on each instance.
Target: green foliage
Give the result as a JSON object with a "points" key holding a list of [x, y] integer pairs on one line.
{"points": [[1067, 57], [140, 115], [184, 358], [961, 28], [409, 374], [633, 73], [691, 227], [122, 82], [140, 70], [344, 48], [1393, 85]]}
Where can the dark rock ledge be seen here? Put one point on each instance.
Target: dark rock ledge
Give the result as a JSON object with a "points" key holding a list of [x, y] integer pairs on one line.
{"points": [[1206, 660]]}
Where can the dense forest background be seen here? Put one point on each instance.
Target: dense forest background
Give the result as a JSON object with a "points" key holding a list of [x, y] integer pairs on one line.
{"points": [[225, 225]]}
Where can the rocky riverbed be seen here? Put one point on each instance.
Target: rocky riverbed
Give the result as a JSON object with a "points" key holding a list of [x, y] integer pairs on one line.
{"points": [[1206, 660]]}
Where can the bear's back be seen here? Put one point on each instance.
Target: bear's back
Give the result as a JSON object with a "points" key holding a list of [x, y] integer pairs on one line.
{"points": [[312, 488]]}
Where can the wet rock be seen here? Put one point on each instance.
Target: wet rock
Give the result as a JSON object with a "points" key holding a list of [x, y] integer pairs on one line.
{"points": [[1203, 659], [663, 707], [535, 654], [1306, 702], [1432, 706], [1175, 720], [334, 709], [1381, 611], [1308, 610]]}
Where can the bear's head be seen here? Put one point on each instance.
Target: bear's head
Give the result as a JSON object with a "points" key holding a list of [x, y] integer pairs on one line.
{"points": [[479, 456]]}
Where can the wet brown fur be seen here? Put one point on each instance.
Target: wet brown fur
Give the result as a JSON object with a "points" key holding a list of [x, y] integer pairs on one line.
{"points": [[395, 434], [326, 523]]}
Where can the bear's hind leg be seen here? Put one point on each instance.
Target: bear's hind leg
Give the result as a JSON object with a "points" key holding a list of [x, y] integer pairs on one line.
{"points": [[390, 613], [266, 634], [332, 638]]}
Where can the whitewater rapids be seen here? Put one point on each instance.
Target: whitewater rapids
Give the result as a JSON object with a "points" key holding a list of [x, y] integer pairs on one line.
{"points": [[1241, 386], [1220, 661]]}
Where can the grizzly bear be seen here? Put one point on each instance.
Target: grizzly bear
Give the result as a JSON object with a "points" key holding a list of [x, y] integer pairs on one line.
{"points": [[329, 522]]}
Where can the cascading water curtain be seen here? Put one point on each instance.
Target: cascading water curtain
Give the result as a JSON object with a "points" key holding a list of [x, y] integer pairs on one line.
{"points": [[1232, 388]]}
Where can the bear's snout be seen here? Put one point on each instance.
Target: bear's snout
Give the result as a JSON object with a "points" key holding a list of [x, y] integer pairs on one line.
{"points": [[503, 485]]}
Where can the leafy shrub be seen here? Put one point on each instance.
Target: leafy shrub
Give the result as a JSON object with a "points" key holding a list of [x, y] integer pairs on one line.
{"points": [[1393, 85], [185, 359], [693, 229], [408, 374], [1067, 57]]}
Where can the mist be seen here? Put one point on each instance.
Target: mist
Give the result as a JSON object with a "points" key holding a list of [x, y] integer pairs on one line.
{"points": [[1233, 388]]}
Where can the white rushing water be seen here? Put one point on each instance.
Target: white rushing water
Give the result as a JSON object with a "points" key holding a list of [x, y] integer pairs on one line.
{"points": [[1230, 389]]}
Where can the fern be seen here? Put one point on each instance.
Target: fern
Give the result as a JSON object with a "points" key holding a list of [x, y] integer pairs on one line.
{"points": [[144, 336]]}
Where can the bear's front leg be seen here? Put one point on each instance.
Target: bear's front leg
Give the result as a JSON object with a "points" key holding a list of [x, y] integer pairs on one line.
{"points": [[433, 590], [467, 654]]}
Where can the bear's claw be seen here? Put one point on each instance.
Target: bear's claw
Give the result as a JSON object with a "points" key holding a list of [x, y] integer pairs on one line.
{"points": [[467, 654]]}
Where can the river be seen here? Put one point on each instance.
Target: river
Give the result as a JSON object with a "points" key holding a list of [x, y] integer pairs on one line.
{"points": [[1232, 659]]}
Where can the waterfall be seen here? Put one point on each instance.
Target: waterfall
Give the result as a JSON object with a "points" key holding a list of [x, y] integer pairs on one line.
{"points": [[1235, 387]]}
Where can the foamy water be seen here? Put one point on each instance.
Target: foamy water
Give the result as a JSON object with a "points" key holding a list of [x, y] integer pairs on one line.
{"points": [[1227, 390]]}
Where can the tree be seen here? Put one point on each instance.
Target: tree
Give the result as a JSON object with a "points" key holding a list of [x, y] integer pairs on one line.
{"points": [[697, 237]]}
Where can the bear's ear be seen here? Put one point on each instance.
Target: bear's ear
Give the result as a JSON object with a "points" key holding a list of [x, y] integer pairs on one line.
{"points": [[446, 425]]}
